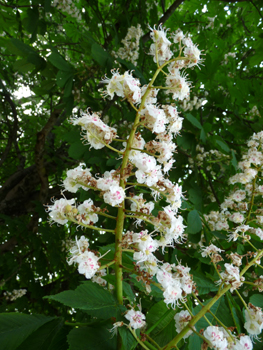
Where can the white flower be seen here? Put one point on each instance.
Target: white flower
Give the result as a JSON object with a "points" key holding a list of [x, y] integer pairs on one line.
{"points": [[254, 320], [86, 211], [216, 337], [154, 118], [71, 183], [181, 320], [192, 53], [114, 196], [178, 36], [237, 218], [96, 132], [211, 249], [88, 264], [259, 232], [161, 46], [244, 343], [59, 209], [173, 294], [136, 319], [124, 86], [177, 85]]}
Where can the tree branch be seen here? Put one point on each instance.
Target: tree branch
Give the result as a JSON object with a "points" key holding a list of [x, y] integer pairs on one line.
{"points": [[252, 2], [164, 18]]}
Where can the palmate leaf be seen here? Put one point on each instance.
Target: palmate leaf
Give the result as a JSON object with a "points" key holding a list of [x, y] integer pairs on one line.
{"points": [[43, 336], [91, 297], [204, 285], [15, 328], [194, 223], [165, 330], [96, 338]]}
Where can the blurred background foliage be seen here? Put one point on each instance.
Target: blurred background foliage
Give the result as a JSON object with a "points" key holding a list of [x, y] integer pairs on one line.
{"points": [[52, 62]]}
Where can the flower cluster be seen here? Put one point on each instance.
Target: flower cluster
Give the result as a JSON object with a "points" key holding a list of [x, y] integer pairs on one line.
{"points": [[181, 320], [248, 188], [68, 7], [95, 131], [136, 318], [254, 320], [190, 104], [15, 294], [207, 159], [88, 262], [130, 51], [229, 54], [219, 339], [231, 276], [176, 282]]}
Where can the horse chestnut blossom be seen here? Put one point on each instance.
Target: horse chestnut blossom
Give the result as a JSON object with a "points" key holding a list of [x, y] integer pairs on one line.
{"points": [[136, 319], [231, 276], [182, 318], [154, 118], [124, 85], [254, 320], [145, 163], [216, 337], [160, 49], [177, 85], [59, 210], [95, 131], [114, 196], [86, 212], [74, 178]]}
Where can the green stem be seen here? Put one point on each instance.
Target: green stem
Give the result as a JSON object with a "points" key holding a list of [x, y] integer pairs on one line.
{"points": [[154, 342], [106, 215], [202, 337], [106, 265], [77, 324], [197, 317], [247, 240], [242, 300], [89, 226], [214, 316], [137, 339], [105, 144]]}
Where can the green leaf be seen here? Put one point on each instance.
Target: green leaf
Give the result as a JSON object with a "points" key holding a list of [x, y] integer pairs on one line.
{"points": [[203, 135], [128, 292], [23, 48], [59, 62], [91, 297], [43, 336], [15, 328], [193, 121], [194, 223], [99, 55], [204, 284], [154, 315], [195, 342], [76, 150], [202, 323], [63, 77], [68, 87], [23, 65], [257, 300], [223, 146], [94, 160], [233, 160], [96, 338], [128, 340]]}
